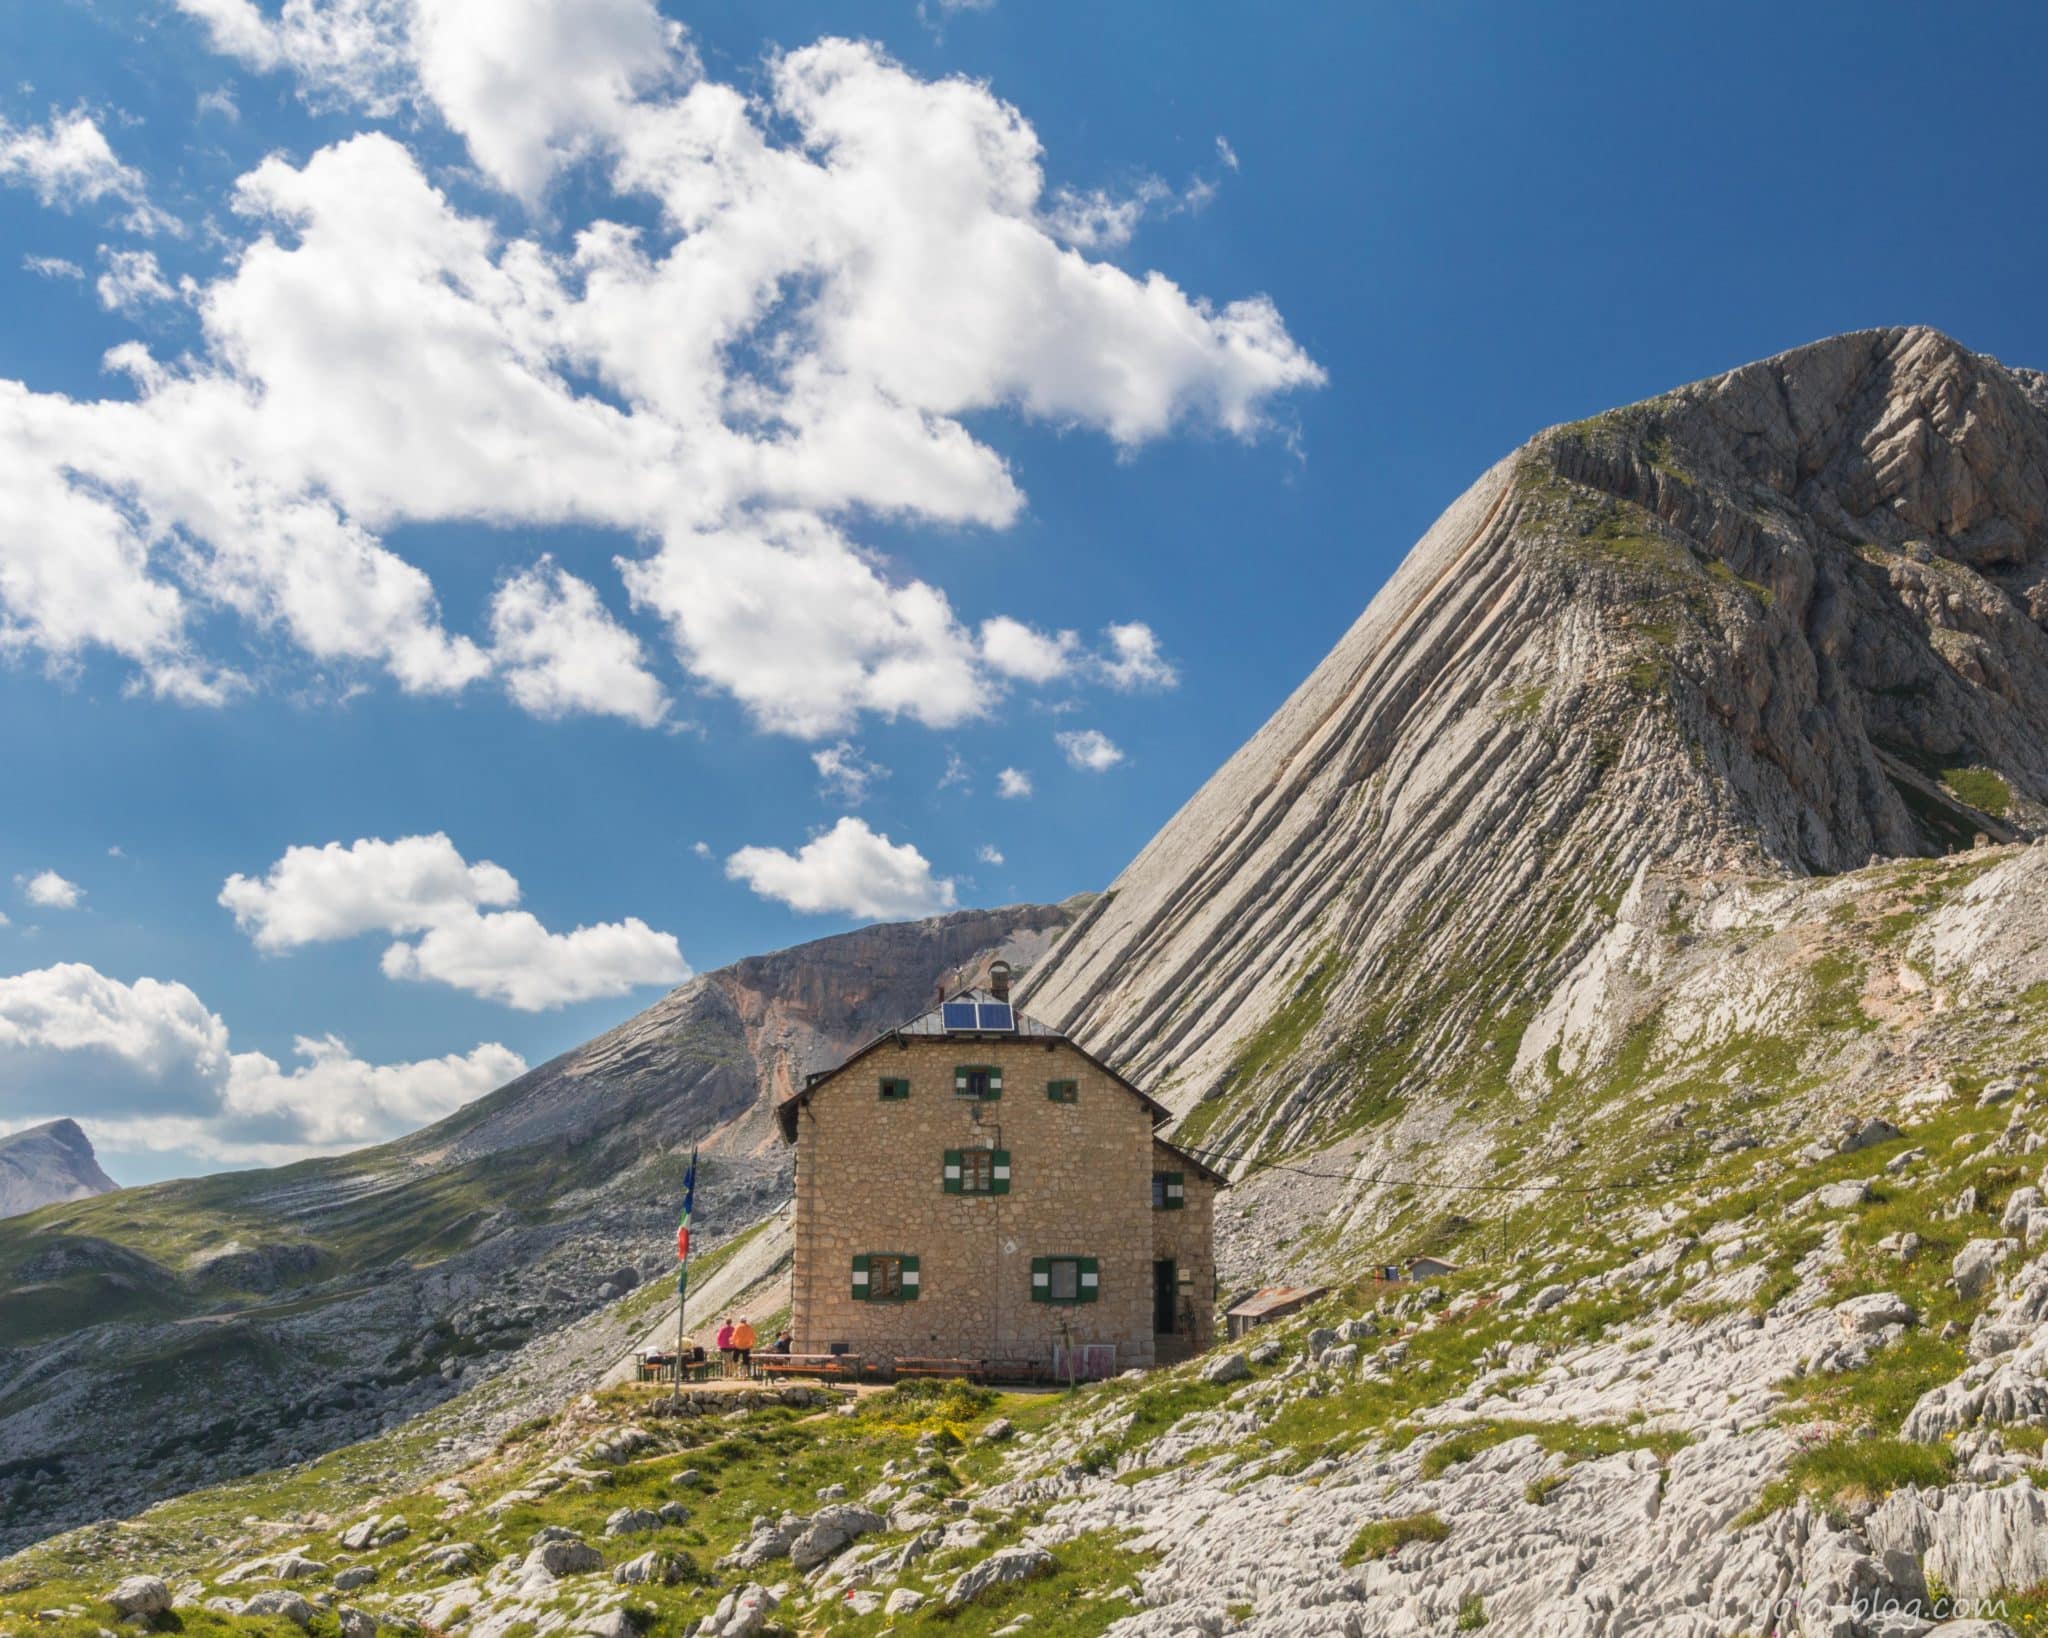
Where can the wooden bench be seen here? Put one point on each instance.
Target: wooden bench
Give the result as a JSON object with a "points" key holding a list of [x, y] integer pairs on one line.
{"points": [[832, 1365]]}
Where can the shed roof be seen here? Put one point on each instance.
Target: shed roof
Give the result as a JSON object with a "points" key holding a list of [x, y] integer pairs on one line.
{"points": [[1275, 1299], [932, 1025]]}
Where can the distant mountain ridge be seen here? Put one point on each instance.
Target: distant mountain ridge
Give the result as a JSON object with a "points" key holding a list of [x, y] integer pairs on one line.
{"points": [[42, 1165]]}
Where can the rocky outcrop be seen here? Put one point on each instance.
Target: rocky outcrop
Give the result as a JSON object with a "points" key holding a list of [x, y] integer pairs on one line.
{"points": [[41, 1165], [1775, 623]]}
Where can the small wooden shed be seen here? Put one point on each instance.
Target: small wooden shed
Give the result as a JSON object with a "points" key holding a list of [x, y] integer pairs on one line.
{"points": [[1271, 1303]]}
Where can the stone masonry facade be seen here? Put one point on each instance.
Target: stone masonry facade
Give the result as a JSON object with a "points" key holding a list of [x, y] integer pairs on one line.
{"points": [[871, 1183]]}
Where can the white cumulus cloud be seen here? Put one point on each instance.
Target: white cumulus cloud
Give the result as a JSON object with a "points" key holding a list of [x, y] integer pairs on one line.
{"points": [[845, 772], [1012, 784], [990, 854], [1017, 650], [849, 869], [561, 652], [148, 1066], [50, 890], [852, 267], [68, 162], [1089, 749], [1135, 660], [132, 281], [439, 907]]}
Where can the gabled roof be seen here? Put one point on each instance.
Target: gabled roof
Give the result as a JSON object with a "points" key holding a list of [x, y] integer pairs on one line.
{"points": [[1199, 1168], [932, 1025]]}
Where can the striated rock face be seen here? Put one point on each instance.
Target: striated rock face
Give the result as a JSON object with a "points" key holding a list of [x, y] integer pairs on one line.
{"points": [[47, 1163], [1776, 623]]}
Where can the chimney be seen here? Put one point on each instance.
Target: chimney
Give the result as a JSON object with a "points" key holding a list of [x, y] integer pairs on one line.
{"points": [[999, 980]]}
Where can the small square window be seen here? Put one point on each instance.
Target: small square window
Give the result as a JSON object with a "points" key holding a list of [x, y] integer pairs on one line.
{"points": [[885, 1277], [1064, 1279], [1063, 1091], [894, 1089], [971, 1083]]}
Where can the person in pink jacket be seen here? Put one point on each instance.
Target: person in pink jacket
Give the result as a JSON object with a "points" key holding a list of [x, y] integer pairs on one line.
{"points": [[725, 1346]]}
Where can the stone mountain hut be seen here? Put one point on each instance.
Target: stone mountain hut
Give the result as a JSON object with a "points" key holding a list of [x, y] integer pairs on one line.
{"points": [[972, 1187]]}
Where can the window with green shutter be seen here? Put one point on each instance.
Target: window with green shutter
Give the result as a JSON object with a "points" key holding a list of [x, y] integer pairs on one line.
{"points": [[895, 1089], [1065, 1279], [1063, 1091], [978, 1080], [1169, 1191], [885, 1276], [976, 1171]]}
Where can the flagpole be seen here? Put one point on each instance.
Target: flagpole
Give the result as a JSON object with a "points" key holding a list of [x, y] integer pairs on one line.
{"points": [[683, 1265]]}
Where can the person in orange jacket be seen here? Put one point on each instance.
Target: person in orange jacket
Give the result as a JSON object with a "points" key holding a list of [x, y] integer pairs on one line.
{"points": [[743, 1346]]}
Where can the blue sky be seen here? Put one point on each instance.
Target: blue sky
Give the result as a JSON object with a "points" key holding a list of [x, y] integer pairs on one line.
{"points": [[331, 559]]}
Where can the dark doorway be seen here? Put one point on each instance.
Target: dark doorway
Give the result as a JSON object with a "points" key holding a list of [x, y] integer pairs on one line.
{"points": [[1165, 1296]]}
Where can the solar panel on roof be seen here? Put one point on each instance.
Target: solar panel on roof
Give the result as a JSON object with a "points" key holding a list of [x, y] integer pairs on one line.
{"points": [[959, 1015], [997, 1015]]}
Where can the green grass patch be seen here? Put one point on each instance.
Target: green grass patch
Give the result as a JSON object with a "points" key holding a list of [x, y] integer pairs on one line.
{"points": [[1383, 1538], [1849, 1471]]}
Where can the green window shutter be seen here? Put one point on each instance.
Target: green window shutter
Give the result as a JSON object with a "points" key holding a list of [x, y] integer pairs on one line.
{"points": [[1041, 1279], [894, 1089], [960, 1078], [1091, 1284], [1000, 1183], [860, 1276], [952, 1171], [911, 1283], [1176, 1190], [995, 1080]]}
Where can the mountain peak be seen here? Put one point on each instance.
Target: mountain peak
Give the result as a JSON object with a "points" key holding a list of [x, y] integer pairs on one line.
{"points": [[42, 1165], [1782, 621]]}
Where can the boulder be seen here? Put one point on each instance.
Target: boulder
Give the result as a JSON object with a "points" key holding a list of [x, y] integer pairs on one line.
{"points": [[1344, 1358], [573, 1556], [612, 1623], [2022, 1201], [1321, 1338], [357, 1623], [1548, 1298], [298, 1567], [279, 1602], [1265, 1352], [651, 1569], [356, 1575], [1976, 1263], [830, 1531], [740, 1614], [1226, 1368], [632, 1521], [145, 1595], [996, 1432], [902, 1601], [999, 1569], [1867, 1316], [1867, 1135]]}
